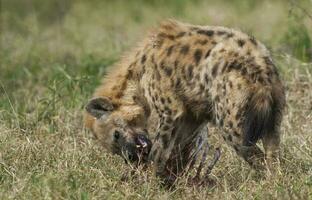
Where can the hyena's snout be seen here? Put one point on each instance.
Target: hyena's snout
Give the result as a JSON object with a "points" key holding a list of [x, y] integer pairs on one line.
{"points": [[138, 148]]}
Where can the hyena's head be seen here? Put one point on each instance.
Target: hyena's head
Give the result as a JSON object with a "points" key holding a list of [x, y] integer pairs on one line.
{"points": [[120, 128]]}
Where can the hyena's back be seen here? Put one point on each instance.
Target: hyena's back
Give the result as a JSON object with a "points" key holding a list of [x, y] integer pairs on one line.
{"points": [[216, 73]]}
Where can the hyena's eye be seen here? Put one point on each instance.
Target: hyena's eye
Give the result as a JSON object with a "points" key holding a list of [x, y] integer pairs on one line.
{"points": [[117, 135]]}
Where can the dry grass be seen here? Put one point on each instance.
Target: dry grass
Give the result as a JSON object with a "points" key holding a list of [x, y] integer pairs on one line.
{"points": [[52, 56]]}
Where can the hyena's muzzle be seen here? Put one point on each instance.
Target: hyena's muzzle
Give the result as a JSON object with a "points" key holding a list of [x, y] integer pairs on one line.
{"points": [[134, 148]]}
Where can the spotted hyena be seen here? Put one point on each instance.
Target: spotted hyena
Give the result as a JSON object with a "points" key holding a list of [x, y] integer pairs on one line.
{"points": [[189, 75]]}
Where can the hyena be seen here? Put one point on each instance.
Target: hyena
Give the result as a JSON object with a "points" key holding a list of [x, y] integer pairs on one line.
{"points": [[188, 75]]}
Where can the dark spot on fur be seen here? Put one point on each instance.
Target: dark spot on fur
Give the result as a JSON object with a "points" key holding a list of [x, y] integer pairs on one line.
{"points": [[169, 100], [176, 62], [231, 124], [201, 42], [181, 34], [202, 87], [208, 53], [167, 110], [236, 134], [178, 83], [224, 67], [234, 66], [206, 78], [130, 73], [185, 49], [169, 50], [162, 100], [215, 70], [197, 55], [168, 71], [221, 32], [217, 98], [236, 148], [143, 69], [143, 59], [208, 33], [241, 42], [230, 138], [244, 71], [169, 120], [230, 84], [229, 35], [190, 71], [261, 80], [183, 72]]}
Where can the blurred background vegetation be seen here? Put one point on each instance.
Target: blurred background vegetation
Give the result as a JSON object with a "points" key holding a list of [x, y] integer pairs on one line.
{"points": [[54, 52]]}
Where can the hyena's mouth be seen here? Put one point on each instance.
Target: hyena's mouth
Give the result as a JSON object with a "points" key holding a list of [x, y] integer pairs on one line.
{"points": [[143, 147], [137, 152]]}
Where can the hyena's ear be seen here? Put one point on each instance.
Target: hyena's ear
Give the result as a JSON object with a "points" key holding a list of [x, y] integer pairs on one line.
{"points": [[99, 107]]}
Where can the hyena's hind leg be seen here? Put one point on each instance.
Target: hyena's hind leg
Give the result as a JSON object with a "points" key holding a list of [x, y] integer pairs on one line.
{"points": [[230, 118], [247, 116], [271, 144], [231, 124], [251, 153]]}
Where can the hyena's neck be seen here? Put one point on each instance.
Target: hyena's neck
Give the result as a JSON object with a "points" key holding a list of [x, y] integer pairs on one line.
{"points": [[121, 85]]}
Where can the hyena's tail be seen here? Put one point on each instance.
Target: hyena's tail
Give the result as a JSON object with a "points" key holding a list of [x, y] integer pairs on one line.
{"points": [[263, 113]]}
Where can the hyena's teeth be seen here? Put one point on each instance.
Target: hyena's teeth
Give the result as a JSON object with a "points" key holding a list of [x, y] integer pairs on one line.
{"points": [[138, 146]]}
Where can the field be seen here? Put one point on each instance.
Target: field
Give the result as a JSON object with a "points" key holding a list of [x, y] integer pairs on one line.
{"points": [[54, 53]]}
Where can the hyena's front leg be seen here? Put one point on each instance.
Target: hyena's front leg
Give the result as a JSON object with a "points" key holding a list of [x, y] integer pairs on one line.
{"points": [[164, 144]]}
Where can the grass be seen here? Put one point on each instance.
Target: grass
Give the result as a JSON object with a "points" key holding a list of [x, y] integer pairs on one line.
{"points": [[53, 55]]}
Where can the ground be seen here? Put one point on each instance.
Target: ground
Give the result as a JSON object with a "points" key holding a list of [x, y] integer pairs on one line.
{"points": [[53, 56]]}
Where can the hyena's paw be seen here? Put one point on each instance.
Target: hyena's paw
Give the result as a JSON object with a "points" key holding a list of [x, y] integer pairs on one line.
{"points": [[202, 177]]}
